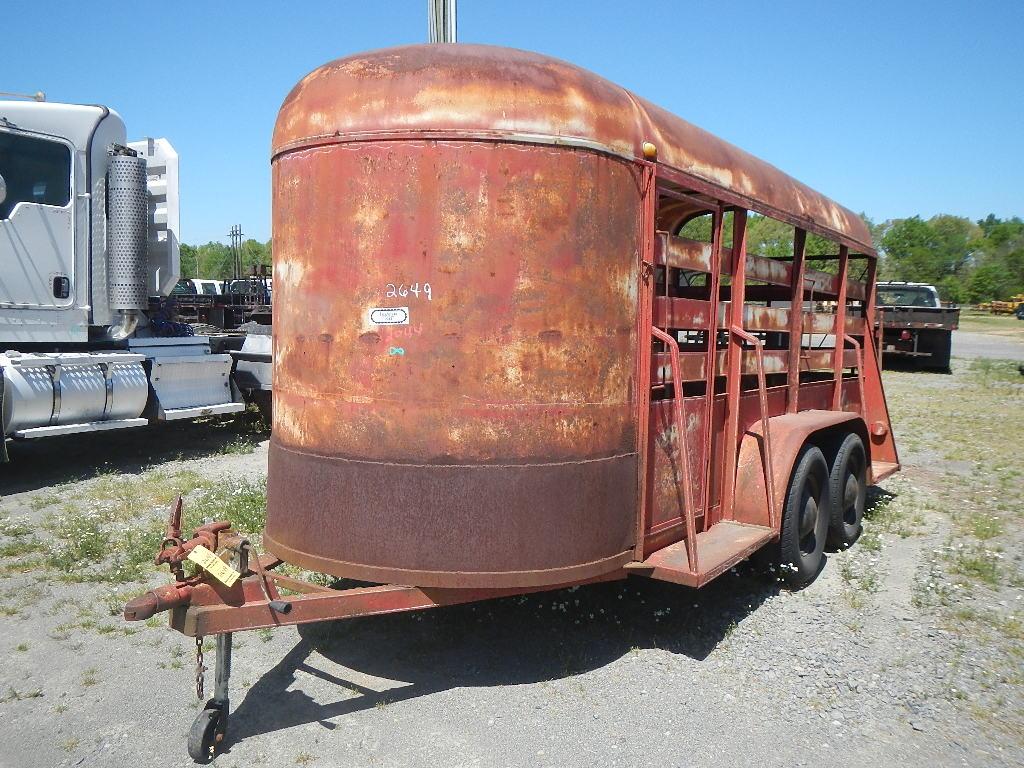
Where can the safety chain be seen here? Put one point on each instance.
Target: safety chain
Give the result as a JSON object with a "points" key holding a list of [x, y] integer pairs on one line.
{"points": [[200, 668]]}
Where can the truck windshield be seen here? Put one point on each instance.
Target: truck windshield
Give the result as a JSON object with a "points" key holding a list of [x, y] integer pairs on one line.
{"points": [[906, 296]]}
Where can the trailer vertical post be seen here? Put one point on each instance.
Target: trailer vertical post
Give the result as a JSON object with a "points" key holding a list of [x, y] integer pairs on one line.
{"points": [[840, 330], [737, 296], [796, 319]]}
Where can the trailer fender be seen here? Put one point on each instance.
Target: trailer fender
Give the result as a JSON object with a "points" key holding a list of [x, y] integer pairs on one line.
{"points": [[787, 434]]}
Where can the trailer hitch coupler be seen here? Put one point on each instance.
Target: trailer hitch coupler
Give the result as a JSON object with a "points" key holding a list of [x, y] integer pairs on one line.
{"points": [[157, 600]]}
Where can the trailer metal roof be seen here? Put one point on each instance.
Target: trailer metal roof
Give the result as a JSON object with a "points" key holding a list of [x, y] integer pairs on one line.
{"points": [[479, 91]]}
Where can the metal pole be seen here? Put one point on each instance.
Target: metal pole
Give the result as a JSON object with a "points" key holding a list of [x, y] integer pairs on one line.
{"points": [[441, 26]]}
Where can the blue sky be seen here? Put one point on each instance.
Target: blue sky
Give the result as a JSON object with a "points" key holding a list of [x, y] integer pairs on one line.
{"points": [[893, 108]]}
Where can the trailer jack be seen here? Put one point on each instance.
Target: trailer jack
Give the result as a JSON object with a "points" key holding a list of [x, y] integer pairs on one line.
{"points": [[220, 600]]}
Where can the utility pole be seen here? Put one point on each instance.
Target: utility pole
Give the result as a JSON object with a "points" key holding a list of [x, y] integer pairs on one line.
{"points": [[441, 21], [236, 250]]}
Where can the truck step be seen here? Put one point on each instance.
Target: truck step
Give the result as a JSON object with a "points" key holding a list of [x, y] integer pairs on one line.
{"points": [[70, 429], [173, 414], [718, 549]]}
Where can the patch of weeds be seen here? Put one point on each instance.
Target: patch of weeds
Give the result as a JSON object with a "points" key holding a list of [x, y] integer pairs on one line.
{"points": [[381, 703], [155, 621], [860, 579], [15, 695], [81, 539], [897, 512], [129, 496], [870, 540], [730, 628], [930, 587], [266, 634], [15, 528], [21, 647], [41, 501], [313, 577], [90, 677], [988, 371], [22, 566], [21, 546], [242, 502], [238, 446], [70, 745], [983, 525], [114, 602], [304, 758], [60, 709], [976, 563]]}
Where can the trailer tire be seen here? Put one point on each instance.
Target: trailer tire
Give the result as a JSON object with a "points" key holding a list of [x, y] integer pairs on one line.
{"points": [[848, 493], [805, 519]]}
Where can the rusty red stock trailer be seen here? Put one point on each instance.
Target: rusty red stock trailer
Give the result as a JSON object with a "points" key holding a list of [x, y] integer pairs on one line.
{"points": [[502, 367]]}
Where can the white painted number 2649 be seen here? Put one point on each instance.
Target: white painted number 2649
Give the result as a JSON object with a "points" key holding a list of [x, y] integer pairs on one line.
{"points": [[402, 290]]}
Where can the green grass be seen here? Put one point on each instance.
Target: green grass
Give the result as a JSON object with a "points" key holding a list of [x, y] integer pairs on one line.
{"points": [[985, 322], [15, 528], [977, 563], [240, 445], [21, 546], [113, 530], [241, 502]]}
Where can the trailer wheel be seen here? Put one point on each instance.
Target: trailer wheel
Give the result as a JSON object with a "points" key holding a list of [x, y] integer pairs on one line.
{"points": [[848, 491], [805, 519], [206, 735]]}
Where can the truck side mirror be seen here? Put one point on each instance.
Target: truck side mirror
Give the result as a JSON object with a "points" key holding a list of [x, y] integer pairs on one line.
{"points": [[3, 190]]}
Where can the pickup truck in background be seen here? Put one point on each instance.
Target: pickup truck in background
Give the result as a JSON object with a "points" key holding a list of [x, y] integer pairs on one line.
{"points": [[915, 326]]}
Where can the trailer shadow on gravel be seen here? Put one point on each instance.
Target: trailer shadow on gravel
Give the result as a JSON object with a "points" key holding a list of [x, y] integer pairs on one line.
{"points": [[510, 641], [42, 463]]}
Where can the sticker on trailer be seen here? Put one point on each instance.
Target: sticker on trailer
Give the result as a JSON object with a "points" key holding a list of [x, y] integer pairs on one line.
{"points": [[213, 565], [389, 316]]}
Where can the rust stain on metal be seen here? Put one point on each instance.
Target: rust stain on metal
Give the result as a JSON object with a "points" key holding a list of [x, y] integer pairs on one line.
{"points": [[478, 382]]}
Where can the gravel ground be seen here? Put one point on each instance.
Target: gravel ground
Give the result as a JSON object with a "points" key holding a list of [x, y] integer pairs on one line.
{"points": [[905, 652], [967, 344]]}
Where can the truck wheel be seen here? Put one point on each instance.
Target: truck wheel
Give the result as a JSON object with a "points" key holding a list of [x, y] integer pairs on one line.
{"points": [[805, 519], [848, 492]]}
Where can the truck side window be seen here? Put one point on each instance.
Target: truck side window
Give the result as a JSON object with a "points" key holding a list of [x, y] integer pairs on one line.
{"points": [[35, 170]]}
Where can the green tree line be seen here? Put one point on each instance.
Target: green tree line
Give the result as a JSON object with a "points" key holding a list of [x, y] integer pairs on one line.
{"points": [[215, 261], [968, 261]]}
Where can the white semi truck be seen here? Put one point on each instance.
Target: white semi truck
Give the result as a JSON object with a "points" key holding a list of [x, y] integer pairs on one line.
{"points": [[88, 233]]}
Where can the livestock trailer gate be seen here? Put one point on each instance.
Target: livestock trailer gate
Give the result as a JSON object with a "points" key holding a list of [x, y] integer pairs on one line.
{"points": [[500, 367]]}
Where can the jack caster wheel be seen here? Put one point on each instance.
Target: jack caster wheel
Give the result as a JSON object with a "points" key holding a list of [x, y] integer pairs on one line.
{"points": [[207, 734]]}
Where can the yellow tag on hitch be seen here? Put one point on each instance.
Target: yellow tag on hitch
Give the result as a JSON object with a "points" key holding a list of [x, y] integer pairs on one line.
{"points": [[213, 565]]}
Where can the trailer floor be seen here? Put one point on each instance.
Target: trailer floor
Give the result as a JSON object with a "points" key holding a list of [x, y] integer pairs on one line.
{"points": [[905, 652]]}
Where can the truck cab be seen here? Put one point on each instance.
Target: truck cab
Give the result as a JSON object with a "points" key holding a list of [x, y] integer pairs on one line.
{"points": [[88, 233], [915, 326]]}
